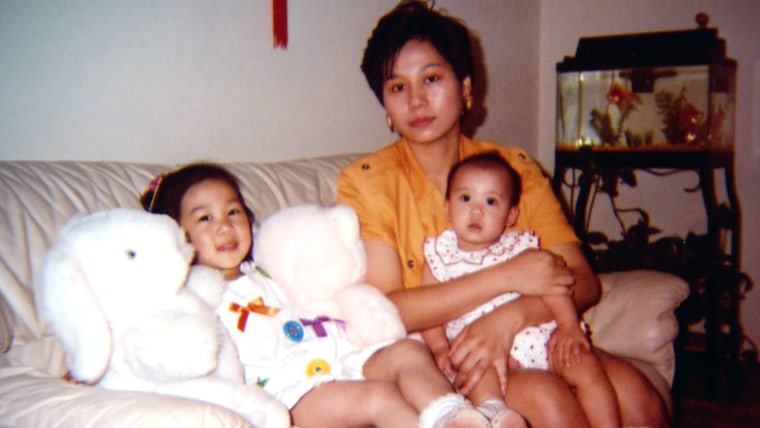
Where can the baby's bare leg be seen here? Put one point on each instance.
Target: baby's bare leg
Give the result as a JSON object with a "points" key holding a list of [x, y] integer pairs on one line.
{"points": [[487, 388], [487, 397], [593, 389], [354, 404]]}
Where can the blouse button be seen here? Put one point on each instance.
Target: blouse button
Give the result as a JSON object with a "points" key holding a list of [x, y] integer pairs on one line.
{"points": [[521, 156], [365, 166], [410, 263], [317, 367], [293, 331]]}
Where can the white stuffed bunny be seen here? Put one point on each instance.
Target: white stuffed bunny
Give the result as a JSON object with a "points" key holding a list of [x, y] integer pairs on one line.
{"points": [[315, 255], [112, 291]]}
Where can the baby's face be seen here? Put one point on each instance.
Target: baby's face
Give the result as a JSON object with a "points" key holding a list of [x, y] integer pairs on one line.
{"points": [[479, 206], [217, 225]]}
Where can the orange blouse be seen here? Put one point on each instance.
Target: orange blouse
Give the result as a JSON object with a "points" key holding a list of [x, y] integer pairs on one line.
{"points": [[397, 203]]}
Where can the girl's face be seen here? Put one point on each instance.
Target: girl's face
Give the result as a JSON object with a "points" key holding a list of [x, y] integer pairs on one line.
{"points": [[217, 225], [478, 206], [423, 96]]}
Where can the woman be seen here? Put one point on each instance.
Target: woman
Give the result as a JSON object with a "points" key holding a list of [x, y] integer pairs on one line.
{"points": [[419, 64]]}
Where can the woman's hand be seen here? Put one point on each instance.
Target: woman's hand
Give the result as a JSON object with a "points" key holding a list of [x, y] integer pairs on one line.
{"points": [[481, 345], [538, 273]]}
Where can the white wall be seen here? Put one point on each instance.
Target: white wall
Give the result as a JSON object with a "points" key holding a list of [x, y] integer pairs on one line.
{"points": [[180, 80], [672, 210], [175, 81]]}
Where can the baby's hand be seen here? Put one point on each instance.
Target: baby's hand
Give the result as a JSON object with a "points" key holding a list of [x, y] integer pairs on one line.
{"points": [[566, 344], [443, 362]]}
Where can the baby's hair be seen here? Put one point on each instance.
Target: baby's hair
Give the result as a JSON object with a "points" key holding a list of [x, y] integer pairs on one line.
{"points": [[165, 196], [489, 160], [415, 20]]}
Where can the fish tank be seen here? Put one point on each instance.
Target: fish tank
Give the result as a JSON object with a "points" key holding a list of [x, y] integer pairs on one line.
{"points": [[650, 91]]}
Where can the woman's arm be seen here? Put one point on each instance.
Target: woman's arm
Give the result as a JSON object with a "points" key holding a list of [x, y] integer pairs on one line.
{"points": [[486, 342], [532, 272]]}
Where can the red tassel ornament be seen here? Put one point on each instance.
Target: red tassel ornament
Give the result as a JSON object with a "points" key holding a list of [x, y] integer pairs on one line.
{"points": [[280, 23]]}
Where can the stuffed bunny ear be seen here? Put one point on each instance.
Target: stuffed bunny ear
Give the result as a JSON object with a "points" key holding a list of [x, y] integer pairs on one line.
{"points": [[346, 221], [73, 313]]}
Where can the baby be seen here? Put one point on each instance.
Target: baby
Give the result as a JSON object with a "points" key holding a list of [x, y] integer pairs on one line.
{"points": [[481, 202]]}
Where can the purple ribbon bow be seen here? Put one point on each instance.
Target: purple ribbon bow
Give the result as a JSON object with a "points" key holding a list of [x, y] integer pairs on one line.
{"points": [[316, 324]]}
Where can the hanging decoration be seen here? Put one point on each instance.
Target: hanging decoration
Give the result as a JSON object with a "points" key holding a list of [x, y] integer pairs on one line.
{"points": [[280, 23]]}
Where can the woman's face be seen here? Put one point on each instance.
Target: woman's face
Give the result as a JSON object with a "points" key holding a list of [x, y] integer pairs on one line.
{"points": [[423, 96], [217, 225]]}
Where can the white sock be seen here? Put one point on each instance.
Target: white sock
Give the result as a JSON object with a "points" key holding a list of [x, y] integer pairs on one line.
{"points": [[491, 407], [442, 409]]}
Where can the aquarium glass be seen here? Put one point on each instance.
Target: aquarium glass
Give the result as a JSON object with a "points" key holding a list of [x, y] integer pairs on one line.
{"points": [[679, 107]]}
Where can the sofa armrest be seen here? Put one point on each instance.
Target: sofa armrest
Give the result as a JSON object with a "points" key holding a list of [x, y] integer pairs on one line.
{"points": [[635, 317], [32, 398]]}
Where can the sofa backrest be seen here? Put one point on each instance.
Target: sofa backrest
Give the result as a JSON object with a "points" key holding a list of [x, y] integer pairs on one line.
{"points": [[39, 197]]}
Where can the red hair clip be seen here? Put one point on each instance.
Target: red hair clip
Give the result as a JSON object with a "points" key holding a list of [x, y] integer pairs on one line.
{"points": [[153, 187], [156, 181]]}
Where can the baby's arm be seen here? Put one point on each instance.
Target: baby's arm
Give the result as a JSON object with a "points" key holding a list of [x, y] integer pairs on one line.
{"points": [[565, 344], [435, 337]]}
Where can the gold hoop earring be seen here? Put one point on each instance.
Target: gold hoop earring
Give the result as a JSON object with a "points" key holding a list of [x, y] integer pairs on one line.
{"points": [[389, 122], [468, 103]]}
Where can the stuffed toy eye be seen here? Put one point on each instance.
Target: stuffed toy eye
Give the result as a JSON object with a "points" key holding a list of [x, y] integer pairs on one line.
{"points": [[131, 254]]}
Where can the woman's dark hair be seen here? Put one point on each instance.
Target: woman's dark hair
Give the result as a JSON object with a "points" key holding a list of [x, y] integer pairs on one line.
{"points": [[415, 20], [489, 160], [166, 192]]}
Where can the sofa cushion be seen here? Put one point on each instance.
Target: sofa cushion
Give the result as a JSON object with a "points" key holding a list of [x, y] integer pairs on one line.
{"points": [[39, 197], [635, 317], [33, 399]]}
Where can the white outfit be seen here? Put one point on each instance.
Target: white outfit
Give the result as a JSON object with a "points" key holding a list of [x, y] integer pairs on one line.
{"points": [[447, 261], [284, 352]]}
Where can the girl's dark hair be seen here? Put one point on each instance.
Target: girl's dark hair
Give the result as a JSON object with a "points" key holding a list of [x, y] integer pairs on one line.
{"points": [[415, 20], [489, 160], [166, 192]]}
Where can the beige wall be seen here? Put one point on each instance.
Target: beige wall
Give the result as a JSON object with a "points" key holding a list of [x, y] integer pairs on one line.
{"points": [[179, 80], [175, 81]]}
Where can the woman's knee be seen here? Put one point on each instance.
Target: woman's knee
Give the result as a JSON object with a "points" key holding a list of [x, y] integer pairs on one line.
{"points": [[640, 403], [544, 399]]}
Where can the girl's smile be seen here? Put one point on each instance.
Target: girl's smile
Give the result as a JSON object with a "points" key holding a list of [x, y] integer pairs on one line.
{"points": [[231, 247], [216, 223]]}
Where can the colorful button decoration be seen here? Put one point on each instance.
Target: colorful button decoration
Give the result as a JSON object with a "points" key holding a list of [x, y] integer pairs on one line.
{"points": [[293, 331], [317, 367]]}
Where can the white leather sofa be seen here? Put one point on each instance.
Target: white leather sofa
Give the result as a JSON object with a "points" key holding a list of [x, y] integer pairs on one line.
{"points": [[634, 319]]}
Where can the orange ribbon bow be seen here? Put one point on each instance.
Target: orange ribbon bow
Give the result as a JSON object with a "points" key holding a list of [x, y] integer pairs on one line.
{"points": [[256, 305]]}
